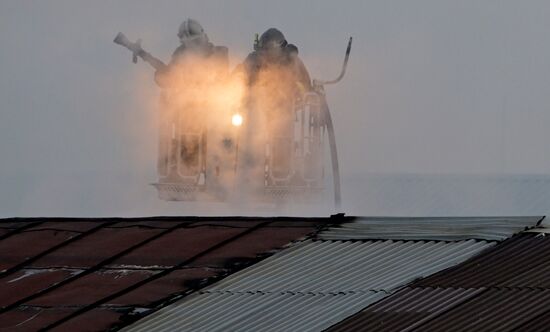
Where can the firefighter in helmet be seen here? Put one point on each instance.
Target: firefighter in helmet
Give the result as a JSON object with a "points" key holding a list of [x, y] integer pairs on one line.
{"points": [[276, 79], [194, 45], [195, 67], [273, 52]]}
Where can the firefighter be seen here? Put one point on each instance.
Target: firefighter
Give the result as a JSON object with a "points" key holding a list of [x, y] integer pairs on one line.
{"points": [[273, 52], [187, 80], [276, 80], [194, 46]]}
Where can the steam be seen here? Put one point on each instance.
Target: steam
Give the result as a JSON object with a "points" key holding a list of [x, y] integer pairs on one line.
{"points": [[432, 88], [242, 123]]}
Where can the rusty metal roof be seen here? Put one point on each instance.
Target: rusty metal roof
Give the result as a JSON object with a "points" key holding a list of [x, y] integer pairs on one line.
{"points": [[406, 309], [522, 261], [99, 274], [506, 288], [95, 274], [448, 309]]}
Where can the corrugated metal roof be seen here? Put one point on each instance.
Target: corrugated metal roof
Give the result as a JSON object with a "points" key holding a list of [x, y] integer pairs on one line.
{"points": [[67, 274], [539, 323], [310, 286], [493, 310], [445, 229], [451, 310], [405, 309], [522, 261], [256, 312], [332, 267], [506, 288]]}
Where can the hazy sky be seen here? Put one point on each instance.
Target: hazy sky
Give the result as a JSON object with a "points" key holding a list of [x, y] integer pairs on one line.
{"points": [[432, 87]]}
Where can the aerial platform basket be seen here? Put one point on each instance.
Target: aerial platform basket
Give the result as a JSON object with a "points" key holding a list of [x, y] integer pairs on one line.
{"points": [[199, 163]]}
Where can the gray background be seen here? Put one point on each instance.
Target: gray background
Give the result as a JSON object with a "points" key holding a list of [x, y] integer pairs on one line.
{"points": [[457, 91]]}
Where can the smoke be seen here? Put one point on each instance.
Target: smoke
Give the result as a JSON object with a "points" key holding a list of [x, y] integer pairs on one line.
{"points": [[432, 87], [204, 155]]}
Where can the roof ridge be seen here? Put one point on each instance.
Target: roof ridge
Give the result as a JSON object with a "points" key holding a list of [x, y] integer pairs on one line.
{"points": [[450, 229], [331, 293]]}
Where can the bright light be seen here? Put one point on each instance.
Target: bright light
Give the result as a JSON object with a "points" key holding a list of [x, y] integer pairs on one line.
{"points": [[237, 120]]}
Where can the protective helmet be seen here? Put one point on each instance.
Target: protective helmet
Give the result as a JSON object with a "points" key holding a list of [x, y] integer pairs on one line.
{"points": [[271, 39], [190, 30]]}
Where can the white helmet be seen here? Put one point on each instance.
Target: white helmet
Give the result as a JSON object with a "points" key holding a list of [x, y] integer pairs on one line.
{"points": [[191, 30]]}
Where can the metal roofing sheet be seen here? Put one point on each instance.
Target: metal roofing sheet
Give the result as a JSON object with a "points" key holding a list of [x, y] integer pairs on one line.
{"points": [[176, 282], [437, 309], [26, 282], [538, 323], [31, 319], [405, 309], [349, 266], [445, 229], [95, 320], [67, 273], [85, 290], [506, 288], [171, 249], [95, 247], [522, 261], [493, 310], [256, 312], [310, 286], [19, 247]]}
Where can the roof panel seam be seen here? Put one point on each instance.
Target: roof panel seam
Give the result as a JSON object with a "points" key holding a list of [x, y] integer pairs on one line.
{"points": [[153, 277], [292, 292], [51, 249], [20, 229], [90, 270]]}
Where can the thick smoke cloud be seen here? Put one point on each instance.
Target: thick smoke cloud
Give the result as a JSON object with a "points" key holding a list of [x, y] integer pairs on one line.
{"points": [[437, 87]]}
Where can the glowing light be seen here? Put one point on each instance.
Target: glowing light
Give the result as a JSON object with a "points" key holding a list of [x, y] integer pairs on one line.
{"points": [[237, 120]]}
